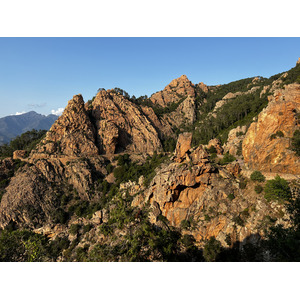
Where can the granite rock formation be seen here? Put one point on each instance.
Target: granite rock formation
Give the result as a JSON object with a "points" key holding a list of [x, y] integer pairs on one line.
{"points": [[266, 146]]}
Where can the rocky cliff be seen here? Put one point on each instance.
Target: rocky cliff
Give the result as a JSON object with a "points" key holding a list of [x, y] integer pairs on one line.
{"points": [[267, 144], [121, 125]]}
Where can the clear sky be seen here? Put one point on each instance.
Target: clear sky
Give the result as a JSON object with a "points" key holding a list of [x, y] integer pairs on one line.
{"points": [[42, 74]]}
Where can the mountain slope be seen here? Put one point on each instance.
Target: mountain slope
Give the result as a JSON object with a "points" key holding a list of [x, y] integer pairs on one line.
{"points": [[12, 126]]}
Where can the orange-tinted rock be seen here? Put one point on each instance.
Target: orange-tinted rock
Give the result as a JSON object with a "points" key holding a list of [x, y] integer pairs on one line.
{"points": [[72, 134], [203, 87], [184, 114], [266, 146], [19, 154], [161, 125], [180, 87], [217, 144], [183, 145], [233, 168], [122, 126], [198, 155], [235, 138]]}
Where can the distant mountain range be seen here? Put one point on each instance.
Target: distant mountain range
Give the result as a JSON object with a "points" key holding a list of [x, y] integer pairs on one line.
{"points": [[12, 126]]}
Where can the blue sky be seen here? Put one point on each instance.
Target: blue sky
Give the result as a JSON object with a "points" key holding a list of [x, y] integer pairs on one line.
{"points": [[42, 74]]}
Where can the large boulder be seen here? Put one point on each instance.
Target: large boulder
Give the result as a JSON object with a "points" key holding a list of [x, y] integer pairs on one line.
{"points": [[183, 145]]}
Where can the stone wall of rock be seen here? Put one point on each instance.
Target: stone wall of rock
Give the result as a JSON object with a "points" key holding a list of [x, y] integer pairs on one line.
{"points": [[266, 146], [121, 125]]}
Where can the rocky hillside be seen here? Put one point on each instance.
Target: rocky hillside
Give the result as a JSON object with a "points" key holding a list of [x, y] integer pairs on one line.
{"points": [[188, 174]]}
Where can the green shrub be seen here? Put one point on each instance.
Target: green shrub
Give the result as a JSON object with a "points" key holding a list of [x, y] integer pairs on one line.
{"points": [[188, 240], [230, 196], [211, 149], [60, 216], [243, 184], [106, 229], [213, 156], [23, 245], [212, 249], [258, 189], [26, 141], [207, 217], [74, 228], [87, 228], [277, 134], [238, 220], [277, 190], [227, 158], [295, 142], [257, 176], [169, 145], [185, 224], [109, 168]]}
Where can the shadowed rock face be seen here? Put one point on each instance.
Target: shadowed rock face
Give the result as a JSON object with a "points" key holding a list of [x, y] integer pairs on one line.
{"points": [[267, 141]]}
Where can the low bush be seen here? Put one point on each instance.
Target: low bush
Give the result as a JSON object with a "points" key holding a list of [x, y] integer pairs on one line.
{"points": [[257, 176], [227, 158], [230, 196], [295, 142], [258, 189], [212, 249], [277, 190], [74, 228], [185, 224]]}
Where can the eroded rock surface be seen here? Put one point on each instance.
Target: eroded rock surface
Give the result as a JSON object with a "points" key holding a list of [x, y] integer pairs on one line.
{"points": [[173, 92], [266, 146], [72, 134], [122, 126]]}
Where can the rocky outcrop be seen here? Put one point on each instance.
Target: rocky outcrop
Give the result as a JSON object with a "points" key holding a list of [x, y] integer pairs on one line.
{"points": [[173, 92], [26, 199], [122, 126], [6, 167], [203, 87], [185, 114], [35, 191], [19, 154], [233, 95], [208, 198], [72, 134], [266, 146], [234, 140], [183, 145], [216, 143], [162, 126]]}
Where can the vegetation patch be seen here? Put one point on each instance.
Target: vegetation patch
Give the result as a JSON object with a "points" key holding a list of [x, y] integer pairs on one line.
{"points": [[257, 176], [277, 190]]}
